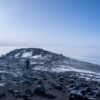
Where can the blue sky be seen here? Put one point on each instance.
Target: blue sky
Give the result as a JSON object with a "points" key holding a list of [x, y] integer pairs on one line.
{"points": [[51, 24]]}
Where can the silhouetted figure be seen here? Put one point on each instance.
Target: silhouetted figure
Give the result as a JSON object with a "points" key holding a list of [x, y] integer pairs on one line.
{"points": [[27, 62]]}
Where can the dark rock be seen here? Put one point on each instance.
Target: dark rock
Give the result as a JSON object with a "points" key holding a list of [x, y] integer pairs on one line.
{"points": [[85, 98], [15, 93], [29, 92], [2, 95], [83, 92], [58, 87], [88, 89], [26, 97], [29, 83], [39, 91]]}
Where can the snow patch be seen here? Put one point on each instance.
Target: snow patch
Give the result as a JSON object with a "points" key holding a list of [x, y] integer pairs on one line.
{"points": [[34, 63], [45, 57], [88, 75], [16, 55], [2, 84], [68, 68], [27, 54], [3, 71], [36, 56], [41, 68]]}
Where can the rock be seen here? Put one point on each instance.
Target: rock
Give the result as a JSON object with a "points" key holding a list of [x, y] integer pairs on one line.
{"points": [[26, 97], [39, 91], [2, 95], [15, 93], [29, 92], [85, 98], [83, 92], [27, 82], [75, 95], [11, 91], [88, 89], [34, 79], [58, 87]]}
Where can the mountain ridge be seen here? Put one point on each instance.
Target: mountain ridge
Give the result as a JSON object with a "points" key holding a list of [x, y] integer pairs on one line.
{"points": [[49, 59]]}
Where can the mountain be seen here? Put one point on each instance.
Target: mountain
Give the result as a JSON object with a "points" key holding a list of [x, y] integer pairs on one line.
{"points": [[46, 60], [61, 75]]}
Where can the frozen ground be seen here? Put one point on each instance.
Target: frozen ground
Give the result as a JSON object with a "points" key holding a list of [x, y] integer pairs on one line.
{"points": [[55, 68]]}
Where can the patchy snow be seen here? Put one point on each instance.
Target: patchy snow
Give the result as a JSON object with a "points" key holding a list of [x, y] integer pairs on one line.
{"points": [[88, 75], [41, 68], [16, 55], [46, 57], [78, 92], [36, 56], [27, 54], [41, 62], [33, 62], [68, 68], [60, 69], [2, 84], [2, 71]]}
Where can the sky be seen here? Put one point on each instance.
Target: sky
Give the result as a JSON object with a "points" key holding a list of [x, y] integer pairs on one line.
{"points": [[71, 27]]}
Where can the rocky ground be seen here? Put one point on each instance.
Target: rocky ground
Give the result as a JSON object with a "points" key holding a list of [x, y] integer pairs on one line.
{"points": [[62, 78], [58, 86]]}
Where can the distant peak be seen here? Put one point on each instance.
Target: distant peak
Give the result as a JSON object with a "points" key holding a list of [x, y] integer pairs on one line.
{"points": [[28, 52]]}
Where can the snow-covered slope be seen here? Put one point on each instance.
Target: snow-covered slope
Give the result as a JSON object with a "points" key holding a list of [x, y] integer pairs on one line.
{"points": [[47, 65], [41, 59]]}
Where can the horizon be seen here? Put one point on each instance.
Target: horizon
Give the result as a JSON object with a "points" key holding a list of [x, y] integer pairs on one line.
{"points": [[62, 26]]}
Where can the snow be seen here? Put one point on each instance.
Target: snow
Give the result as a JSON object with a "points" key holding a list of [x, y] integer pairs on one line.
{"points": [[41, 57], [41, 68], [68, 68], [16, 55], [46, 57], [3, 71], [62, 68], [78, 92], [36, 56], [41, 62], [34, 63], [27, 54], [2, 84], [88, 75]]}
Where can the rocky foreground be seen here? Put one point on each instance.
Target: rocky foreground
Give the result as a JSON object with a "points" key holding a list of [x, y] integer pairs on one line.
{"points": [[58, 86]]}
